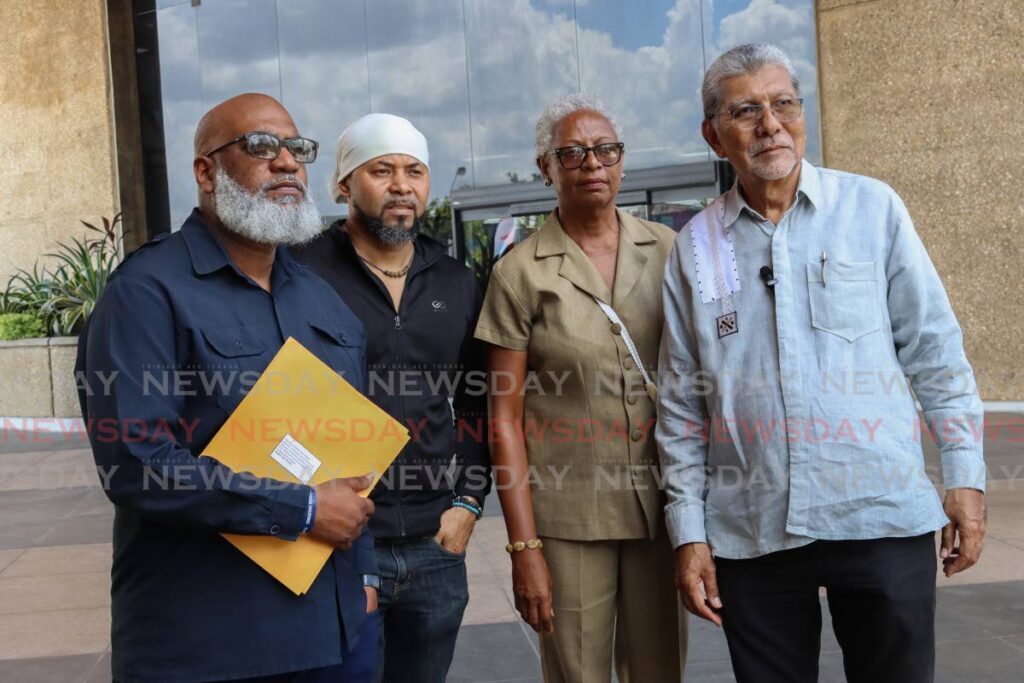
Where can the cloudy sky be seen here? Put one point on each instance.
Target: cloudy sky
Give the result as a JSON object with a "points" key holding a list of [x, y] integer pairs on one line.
{"points": [[472, 74]]}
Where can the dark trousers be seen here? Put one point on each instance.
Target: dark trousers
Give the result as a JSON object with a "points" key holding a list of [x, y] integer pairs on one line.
{"points": [[358, 667], [881, 594], [423, 594]]}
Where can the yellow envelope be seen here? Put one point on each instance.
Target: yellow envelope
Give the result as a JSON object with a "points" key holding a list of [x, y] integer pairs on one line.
{"points": [[300, 397]]}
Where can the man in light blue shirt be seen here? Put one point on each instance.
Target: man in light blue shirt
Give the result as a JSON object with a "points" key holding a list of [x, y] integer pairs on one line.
{"points": [[797, 306]]}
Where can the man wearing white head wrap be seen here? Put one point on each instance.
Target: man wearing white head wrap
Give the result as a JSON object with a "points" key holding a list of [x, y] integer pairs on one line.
{"points": [[373, 136], [386, 159], [419, 308]]}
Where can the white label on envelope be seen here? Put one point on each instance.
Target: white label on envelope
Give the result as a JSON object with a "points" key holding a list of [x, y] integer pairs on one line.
{"points": [[296, 458]]}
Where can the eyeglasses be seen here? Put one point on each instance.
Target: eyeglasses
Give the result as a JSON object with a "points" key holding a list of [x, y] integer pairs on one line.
{"points": [[785, 110], [573, 156], [268, 146]]}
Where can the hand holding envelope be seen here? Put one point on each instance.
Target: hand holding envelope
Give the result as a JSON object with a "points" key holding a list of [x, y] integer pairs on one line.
{"points": [[341, 513], [302, 422]]}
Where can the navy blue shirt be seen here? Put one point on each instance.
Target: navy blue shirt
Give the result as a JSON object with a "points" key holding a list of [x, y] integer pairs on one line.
{"points": [[176, 340]]}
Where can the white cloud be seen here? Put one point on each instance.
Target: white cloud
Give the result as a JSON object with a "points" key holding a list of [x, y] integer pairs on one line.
{"points": [[789, 24], [520, 59]]}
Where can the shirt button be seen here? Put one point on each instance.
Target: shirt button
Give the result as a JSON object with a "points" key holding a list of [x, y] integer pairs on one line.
{"points": [[275, 530], [344, 339], [238, 344], [636, 435], [628, 363], [616, 328], [631, 399]]}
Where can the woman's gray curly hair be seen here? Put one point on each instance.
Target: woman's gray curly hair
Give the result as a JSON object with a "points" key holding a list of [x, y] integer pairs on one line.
{"points": [[560, 108]]}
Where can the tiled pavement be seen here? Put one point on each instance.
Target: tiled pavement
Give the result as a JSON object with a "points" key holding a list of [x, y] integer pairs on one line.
{"points": [[55, 562]]}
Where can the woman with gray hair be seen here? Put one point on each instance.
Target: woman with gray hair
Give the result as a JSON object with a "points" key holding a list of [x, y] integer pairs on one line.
{"points": [[573, 316]]}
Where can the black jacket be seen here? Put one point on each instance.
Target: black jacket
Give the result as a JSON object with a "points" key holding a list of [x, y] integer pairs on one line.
{"points": [[423, 363]]}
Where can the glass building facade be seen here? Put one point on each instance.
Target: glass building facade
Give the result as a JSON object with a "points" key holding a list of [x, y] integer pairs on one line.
{"points": [[473, 75]]}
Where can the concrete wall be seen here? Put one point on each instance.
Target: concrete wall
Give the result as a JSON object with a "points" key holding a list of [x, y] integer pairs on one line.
{"points": [[924, 94], [37, 378], [56, 126]]}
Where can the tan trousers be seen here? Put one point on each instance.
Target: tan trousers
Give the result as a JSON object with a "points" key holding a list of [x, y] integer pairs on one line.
{"points": [[614, 596]]}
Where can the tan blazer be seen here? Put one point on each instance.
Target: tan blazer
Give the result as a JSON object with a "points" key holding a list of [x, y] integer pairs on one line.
{"points": [[589, 424]]}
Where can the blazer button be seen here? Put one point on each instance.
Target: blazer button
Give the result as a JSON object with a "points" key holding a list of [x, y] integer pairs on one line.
{"points": [[275, 530], [636, 435], [631, 399], [616, 328], [628, 363]]}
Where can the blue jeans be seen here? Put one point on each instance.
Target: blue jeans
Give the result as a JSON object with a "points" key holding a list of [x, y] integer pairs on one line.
{"points": [[423, 594]]}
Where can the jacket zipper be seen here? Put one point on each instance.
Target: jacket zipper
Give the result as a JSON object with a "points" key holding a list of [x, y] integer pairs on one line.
{"points": [[402, 527], [399, 357]]}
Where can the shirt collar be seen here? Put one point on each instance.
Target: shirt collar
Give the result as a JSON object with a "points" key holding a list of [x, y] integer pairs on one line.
{"points": [[810, 183], [551, 240], [208, 254], [734, 204], [809, 186]]}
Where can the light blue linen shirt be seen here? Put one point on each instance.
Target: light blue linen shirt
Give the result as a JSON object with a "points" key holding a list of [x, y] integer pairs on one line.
{"points": [[801, 425]]}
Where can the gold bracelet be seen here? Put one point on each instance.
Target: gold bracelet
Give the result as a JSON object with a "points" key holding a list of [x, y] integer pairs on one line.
{"points": [[520, 546]]}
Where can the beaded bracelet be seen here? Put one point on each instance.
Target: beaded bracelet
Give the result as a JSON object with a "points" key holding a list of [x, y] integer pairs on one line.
{"points": [[520, 546], [461, 502]]}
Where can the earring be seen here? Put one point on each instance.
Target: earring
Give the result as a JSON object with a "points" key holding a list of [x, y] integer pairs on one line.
{"points": [[547, 182], [621, 177]]}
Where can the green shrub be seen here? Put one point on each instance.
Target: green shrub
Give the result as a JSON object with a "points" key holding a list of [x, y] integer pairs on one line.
{"points": [[28, 291], [76, 285], [65, 295], [9, 304], [21, 326]]}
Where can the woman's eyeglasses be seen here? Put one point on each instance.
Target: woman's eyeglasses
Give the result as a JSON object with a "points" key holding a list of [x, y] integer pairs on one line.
{"points": [[573, 156]]}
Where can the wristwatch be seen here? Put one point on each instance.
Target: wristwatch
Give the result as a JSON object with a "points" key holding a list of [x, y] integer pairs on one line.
{"points": [[371, 581]]}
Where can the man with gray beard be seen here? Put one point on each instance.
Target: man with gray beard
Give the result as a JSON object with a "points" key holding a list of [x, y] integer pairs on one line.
{"points": [[796, 274], [218, 298]]}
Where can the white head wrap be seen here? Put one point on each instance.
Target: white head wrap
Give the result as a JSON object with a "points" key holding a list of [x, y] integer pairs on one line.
{"points": [[372, 136]]}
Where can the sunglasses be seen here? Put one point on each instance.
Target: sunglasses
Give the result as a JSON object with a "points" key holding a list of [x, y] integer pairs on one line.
{"points": [[268, 146]]}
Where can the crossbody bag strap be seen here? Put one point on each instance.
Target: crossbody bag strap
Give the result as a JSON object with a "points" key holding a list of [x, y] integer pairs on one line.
{"points": [[652, 390]]}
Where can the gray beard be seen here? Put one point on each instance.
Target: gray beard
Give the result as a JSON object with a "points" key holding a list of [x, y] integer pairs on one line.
{"points": [[773, 170], [776, 171], [256, 217]]}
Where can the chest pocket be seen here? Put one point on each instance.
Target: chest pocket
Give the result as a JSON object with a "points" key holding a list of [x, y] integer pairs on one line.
{"points": [[846, 302], [342, 350], [234, 361], [231, 345]]}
